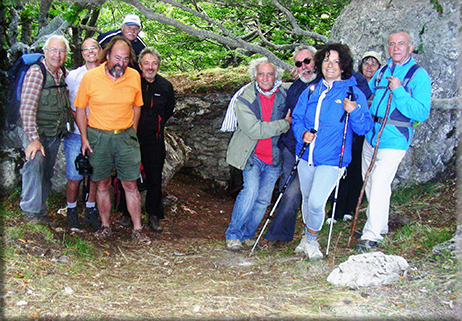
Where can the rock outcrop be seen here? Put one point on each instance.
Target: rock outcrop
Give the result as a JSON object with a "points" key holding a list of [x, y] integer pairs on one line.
{"points": [[366, 24], [369, 269]]}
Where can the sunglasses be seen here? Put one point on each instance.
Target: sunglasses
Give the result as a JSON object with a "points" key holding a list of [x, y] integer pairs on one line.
{"points": [[298, 64]]}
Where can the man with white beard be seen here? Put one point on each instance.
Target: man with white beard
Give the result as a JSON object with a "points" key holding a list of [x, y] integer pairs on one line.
{"points": [[282, 228]]}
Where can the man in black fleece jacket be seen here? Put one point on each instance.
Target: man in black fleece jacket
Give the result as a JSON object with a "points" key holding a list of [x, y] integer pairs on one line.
{"points": [[159, 102]]}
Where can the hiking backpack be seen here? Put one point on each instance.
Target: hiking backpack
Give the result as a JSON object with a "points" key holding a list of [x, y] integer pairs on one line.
{"points": [[16, 77]]}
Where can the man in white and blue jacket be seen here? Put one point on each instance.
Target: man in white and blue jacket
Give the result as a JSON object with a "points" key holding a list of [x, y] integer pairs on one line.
{"points": [[410, 103]]}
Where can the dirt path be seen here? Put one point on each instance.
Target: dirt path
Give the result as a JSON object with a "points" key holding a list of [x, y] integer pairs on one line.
{"points": [[187, 273]]}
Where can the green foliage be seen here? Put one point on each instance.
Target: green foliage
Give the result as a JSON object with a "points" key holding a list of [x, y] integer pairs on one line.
{"points": [[182, 52], [437, 6]]}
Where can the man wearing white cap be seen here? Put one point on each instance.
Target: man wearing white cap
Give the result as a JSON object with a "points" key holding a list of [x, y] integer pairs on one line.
{"points": [[130, 28]]}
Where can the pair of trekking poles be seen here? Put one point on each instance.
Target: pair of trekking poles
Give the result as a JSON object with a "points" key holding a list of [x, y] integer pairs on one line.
{"points": [[345, 116]]}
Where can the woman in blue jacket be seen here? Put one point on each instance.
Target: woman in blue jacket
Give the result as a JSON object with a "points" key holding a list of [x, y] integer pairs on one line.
{"points": [[322, 107]]}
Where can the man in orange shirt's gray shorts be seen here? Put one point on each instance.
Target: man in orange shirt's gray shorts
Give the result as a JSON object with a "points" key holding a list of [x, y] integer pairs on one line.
{"points": [[112, 92]]}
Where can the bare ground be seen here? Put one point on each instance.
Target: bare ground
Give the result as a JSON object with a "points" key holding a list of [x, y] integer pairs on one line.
{"points": [[187, 273]]}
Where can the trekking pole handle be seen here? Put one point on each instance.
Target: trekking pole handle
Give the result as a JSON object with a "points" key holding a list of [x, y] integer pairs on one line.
{"points": [[305, 145], [351, 97]]}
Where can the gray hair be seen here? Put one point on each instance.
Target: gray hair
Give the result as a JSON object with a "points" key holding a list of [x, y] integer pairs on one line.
{"points": [[253, 66], [409, 33], [58, 37], [151, 51], [304, 47]]}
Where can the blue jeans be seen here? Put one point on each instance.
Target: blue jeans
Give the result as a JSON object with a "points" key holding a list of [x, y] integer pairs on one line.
{"points": [[253, 199], [282, 227], [72, 144], [36, 176], [316, 184]]}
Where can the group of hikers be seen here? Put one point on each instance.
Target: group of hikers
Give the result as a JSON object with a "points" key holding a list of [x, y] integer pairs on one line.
{"points": [[350, 124], [332, 121]]}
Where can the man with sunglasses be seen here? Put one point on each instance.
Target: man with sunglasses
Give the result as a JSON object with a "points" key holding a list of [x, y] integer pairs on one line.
{"points": [[282, 228], [90, 51]]}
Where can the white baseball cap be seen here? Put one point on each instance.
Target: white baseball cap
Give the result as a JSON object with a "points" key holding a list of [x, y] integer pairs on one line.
{"points": [[132, 19]]}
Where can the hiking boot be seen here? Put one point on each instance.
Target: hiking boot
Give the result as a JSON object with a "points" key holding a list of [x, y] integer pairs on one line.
{"points": [[248, 243], [140, 237], [266, 244], [301, 247], [312, 250], [366, 246], [234, 245], [154, 224], [125, 221], [103, 233], [73, 218], [91, 218]]}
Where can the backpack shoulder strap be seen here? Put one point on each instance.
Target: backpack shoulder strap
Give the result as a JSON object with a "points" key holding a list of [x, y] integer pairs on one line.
{"points": [[379, 76], [44, 73], [409, 75]]}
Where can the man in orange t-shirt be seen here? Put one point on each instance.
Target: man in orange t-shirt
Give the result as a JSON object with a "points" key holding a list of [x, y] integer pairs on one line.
{"points": [[113, 95]]}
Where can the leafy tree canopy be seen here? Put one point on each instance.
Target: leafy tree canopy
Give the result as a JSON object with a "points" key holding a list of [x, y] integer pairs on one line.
{"points": [[189, 34]]}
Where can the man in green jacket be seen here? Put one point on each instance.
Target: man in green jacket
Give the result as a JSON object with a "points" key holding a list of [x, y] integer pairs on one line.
{"points": [[253, 149], [45, 119]]}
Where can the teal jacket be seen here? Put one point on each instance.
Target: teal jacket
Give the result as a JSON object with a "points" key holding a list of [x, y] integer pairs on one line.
{"points": [[406, 106], [251, 127]]}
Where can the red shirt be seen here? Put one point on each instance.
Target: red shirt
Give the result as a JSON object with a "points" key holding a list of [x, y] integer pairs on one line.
{"points": [[264, 150]]}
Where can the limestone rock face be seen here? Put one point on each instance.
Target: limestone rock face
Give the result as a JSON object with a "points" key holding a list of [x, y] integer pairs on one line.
{"points": [[366, 24], [197, 120], [369, 269]]}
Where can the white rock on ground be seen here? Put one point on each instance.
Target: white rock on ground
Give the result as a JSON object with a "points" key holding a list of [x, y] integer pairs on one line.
{"points": [[368, 269]]}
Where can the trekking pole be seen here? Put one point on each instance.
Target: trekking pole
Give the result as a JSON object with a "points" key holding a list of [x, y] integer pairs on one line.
{"points": [[281, 193], [369, 170], [346, 115]]}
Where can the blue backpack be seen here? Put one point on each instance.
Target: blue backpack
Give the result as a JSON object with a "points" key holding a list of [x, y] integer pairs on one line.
{"points": [[16, 77]]}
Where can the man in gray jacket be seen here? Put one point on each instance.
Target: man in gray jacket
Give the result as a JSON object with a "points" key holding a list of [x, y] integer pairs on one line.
{"points": [[253, 149]]}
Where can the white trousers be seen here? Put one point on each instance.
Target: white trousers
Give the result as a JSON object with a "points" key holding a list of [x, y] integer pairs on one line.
{"points": [[378, 189]]}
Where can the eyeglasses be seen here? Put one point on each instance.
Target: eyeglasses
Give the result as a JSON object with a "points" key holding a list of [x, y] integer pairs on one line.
{"points": [[306, 61], [133, 28], [88, 48], [54, 51]]}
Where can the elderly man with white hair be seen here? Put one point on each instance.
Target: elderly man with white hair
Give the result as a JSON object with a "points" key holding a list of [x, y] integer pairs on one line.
{"points": [[45, 119], [253, 148]]}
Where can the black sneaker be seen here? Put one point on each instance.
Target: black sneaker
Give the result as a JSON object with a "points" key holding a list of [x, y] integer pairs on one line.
{"points": [[92, 218], [73, 218], [154, 224], [366, 246]]}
